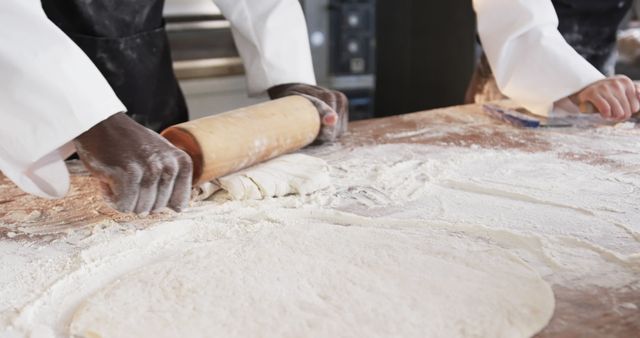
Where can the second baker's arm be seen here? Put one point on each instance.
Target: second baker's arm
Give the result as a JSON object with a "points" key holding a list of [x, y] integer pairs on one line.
{"points": [[271, 36], [531, 61]]}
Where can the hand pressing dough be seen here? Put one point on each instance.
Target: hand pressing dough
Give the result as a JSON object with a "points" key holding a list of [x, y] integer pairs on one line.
{"points": [[288, 174], [291, 277]]}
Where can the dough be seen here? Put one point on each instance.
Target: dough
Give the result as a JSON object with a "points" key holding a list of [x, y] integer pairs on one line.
{"points": [[295, 277], [288, 174]]}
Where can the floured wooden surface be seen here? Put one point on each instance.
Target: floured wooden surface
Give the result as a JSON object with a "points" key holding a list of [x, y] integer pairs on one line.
{"points": [[581, 311], [26, 216], [462, 170]]}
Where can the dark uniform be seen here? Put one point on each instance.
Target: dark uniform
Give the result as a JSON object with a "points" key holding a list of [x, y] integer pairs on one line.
{"points": [[591, 27], [127, 42]]}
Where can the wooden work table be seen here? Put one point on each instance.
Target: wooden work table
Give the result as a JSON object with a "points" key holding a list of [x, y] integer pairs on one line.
{"points": [[579, 312]]}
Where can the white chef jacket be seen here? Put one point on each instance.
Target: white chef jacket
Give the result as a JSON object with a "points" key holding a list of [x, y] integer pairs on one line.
{"points": [[271, 37], [532, 63], [50, 91]]}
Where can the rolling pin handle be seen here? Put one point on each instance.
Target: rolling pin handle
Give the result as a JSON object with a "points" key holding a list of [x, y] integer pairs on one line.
{"points": [[587, 108]]}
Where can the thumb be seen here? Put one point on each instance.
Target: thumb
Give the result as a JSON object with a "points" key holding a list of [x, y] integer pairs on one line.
{"points": [[328, 116]]}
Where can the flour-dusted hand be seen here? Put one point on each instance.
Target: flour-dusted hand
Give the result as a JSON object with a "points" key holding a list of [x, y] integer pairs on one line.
{"points": [[616, 98], [139, 169], [332, 105]]}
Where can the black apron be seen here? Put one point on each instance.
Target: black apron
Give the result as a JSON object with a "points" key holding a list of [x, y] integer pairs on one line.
{"points": [[127, 42], [589, 26]]}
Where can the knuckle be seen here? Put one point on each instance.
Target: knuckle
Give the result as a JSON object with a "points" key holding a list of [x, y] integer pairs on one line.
{"points": [[183, 159], [167, 178], [623, 78], [342, 96], [618, 85], [133, 171], [185, 177], [327, 94], [170, 169], [331, 102], [131, 167], [154, 168], [584, 95], [151, 175]]}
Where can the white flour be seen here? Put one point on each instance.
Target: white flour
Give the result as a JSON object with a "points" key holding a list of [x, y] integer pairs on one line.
{"points": [[574, 222], [582, 218]]}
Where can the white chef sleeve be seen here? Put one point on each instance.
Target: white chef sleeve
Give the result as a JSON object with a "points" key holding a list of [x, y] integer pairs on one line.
{"points": [[49, 94], [531, 61], [271, 36]]}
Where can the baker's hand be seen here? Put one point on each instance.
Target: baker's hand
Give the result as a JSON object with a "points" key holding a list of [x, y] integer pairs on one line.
{"points": [[332, 105], [139, 169], [616, 98]]}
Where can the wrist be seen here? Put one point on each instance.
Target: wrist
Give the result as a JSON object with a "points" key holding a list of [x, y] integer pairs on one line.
{"points": [[280, 90], [101, 127]]}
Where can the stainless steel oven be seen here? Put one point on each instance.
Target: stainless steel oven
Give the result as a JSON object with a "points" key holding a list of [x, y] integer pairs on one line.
{"points": [[343, 45], [341, 35], [205, 58]]}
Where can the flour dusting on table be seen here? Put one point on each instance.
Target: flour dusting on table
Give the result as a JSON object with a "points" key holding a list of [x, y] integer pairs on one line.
{"points": [[570, 214]]}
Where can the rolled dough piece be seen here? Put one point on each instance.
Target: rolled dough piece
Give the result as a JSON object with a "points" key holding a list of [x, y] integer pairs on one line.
{"points": [[288, 174], [317, 279]]}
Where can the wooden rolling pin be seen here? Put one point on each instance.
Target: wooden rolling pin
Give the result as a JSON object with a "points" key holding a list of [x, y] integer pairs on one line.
{"points": [[224, 143]]}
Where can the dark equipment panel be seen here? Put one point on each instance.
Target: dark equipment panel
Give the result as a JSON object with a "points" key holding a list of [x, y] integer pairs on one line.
{"points": [[352, 42], [342, 37], [426, 54]]}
